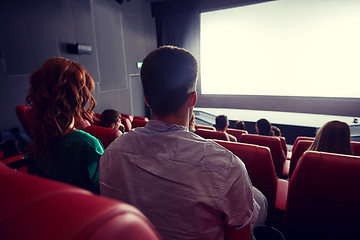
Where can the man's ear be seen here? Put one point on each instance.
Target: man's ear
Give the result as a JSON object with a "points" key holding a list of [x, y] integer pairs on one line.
{"points": [[146, 102], [192, 99], [112, 125]]}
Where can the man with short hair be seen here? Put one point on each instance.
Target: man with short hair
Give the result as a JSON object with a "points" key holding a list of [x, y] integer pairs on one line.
{"points": [[221, 125], [188, 187]]}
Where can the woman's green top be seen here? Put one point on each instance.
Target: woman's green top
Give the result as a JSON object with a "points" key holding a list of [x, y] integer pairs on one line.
{"points": [[76, 161]]}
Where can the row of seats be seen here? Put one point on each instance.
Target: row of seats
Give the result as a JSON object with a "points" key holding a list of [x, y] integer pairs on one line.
{"points": [[277, 145], [105, 135], [36, 208], [321, 199]]}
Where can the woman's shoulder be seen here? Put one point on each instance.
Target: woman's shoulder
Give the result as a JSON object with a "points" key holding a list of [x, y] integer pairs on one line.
{"points": [[80, 136]]}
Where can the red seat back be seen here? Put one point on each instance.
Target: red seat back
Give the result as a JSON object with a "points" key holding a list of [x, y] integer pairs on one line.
{"points": [[323, 197], [204, 127], [273, 143], [283, 144], [236, 132], [126, 122], [26, 118], [37, 208], [105, 135], [297, 152], [211, 134], [260, 167], [355, 148], [139, 122], [302, 138], [130, 117]]}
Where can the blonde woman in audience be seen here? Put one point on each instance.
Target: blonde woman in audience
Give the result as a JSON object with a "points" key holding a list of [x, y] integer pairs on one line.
{"points": [[60, 95], [333, 137]]}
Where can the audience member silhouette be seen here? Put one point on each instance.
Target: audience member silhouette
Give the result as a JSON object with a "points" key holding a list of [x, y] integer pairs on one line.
{"points": [[189, 187], [221, 125], [60, 95], [333, 137], [111, 118], [263, 127], [240, 125], [276, 131]]}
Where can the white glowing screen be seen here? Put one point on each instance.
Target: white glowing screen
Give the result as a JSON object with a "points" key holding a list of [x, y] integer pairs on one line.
{"points": [[282, 48]]}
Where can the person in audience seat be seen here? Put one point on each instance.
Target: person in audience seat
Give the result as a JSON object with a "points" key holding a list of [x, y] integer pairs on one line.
{"points": [[263, 127], [221, 124], [240, 125], [60, 95], [111, 118], [189, 187], [333, 137], [276, 131]]}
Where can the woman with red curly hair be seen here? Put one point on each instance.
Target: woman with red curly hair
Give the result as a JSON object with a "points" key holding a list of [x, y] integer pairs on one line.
{"points": [[60, 95]]}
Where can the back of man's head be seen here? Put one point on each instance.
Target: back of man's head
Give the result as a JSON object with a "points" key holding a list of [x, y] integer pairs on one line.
{"points": [[221, 122], [109, 116], [168, 76], [263, 127]]}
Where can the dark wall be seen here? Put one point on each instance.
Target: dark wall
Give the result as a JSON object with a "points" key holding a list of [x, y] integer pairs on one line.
{"points": [[120, 35]]}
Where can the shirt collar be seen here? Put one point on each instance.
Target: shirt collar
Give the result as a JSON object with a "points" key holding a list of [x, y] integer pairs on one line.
{"points": [[159, 126]]}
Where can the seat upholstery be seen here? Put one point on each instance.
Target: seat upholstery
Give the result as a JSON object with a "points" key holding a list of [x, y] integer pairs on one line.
{"points": [[355, 148], [323, 198], [139, 121], [236, 132], [211, 134], [260, 168], [127, 124], [273, 143], [204, 127], [105, 135], [302, 138], [130, 117], [36, 208], [297, 152], [26, 118]]}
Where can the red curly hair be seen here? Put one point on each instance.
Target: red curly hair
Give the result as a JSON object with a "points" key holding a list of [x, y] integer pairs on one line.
{"points": [[60, 93]]}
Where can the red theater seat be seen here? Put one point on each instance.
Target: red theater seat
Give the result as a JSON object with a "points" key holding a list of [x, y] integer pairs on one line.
{"points": [[127, 124], [297, 152], [260, 167], [130, 117], [139, 122], [36, 208], [302, 138], [205, 127], [355, 148], [236, 132], [26, 118], [211, 134], [105, 135], [323, 198], [273, 143]]}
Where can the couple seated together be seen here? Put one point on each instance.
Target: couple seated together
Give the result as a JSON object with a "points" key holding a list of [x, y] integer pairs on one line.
{"points": [[188, 187]]}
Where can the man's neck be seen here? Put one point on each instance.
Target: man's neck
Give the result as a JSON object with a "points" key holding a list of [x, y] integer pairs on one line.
{"points": [[172, 119], [182, 117]]}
